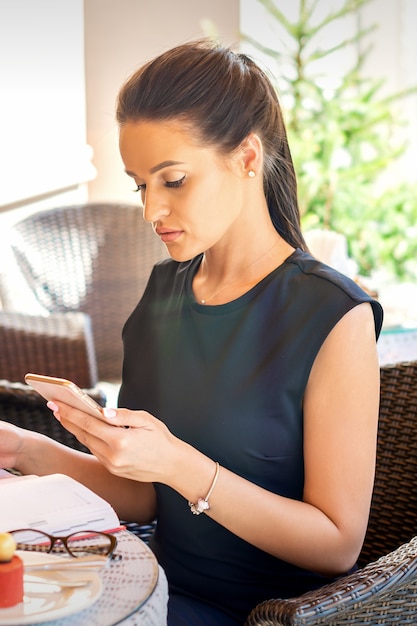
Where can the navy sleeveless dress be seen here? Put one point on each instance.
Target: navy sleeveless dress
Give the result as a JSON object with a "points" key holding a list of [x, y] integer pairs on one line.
{"points": [[230, 380]]}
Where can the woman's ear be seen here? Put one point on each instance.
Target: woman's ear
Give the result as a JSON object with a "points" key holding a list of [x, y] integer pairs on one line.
{"points": [[250, 155]]}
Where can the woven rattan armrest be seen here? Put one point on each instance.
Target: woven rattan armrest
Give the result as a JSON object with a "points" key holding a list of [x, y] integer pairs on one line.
{"points": [[60, 344], [380, 593]]}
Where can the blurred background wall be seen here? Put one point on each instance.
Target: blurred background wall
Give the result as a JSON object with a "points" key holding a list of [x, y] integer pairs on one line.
{"points": [[120, 35], [63, 61], [61, 65]]}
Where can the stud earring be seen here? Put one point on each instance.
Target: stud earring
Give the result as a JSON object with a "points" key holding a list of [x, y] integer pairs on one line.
{"points": [[251, 173]]}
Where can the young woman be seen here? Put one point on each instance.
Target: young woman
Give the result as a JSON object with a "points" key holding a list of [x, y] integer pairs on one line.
{"points": [[251, 378]]}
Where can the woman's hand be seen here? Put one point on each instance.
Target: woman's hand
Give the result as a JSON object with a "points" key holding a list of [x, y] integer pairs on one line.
{"points": [[11, 444], [130, 444]]}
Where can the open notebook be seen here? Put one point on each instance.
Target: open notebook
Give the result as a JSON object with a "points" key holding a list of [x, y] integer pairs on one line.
{"points": [[56, 504]]}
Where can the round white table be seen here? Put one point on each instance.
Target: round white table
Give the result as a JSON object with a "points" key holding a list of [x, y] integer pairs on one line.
{"points": [[135, 590]]}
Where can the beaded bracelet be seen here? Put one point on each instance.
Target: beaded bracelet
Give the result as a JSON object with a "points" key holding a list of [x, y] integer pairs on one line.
{"points": [[203, 504]]}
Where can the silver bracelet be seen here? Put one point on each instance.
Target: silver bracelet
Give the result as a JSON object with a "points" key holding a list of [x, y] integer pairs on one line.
{"points": [[203, 503]]}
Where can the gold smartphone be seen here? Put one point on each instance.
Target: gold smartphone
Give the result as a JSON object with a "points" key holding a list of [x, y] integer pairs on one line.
{"points": [[63, 390]]}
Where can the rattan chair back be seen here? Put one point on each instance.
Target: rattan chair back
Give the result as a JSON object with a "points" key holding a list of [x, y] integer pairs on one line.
{"points": [[393, 517], [60, 344], [95, 258]]}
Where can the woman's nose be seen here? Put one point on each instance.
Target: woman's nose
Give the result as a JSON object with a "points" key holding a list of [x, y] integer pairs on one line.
{"points": [[154, 208]]}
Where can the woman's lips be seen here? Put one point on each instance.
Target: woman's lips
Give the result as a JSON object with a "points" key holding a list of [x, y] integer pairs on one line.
{"points": [[168, 236]]}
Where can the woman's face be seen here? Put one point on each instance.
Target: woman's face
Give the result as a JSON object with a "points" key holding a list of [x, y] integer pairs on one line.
{"points": [[191, 194]]}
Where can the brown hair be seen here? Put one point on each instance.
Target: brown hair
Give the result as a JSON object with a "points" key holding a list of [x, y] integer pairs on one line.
{"points": [[223, 96]]}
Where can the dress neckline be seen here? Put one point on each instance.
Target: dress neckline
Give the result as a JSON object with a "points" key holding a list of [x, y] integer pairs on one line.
{"points": [[240, 300]]}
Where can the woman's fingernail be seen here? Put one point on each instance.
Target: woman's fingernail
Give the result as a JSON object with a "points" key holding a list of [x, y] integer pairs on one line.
{"points": [[54, 408], [108, 412]]}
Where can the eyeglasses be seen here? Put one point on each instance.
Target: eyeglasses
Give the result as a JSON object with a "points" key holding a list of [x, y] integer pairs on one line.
{"points": [[81, 543]]}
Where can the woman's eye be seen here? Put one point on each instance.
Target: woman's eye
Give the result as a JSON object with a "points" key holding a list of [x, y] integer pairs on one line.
{"points": [[169, 183], [175, 183]]}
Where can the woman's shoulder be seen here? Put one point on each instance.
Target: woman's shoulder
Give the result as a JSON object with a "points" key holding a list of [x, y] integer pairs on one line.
{"points": [[323, 280], [311, 268]]}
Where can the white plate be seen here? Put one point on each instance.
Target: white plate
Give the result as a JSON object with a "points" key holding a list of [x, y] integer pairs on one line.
{"points": [[44, 602]]}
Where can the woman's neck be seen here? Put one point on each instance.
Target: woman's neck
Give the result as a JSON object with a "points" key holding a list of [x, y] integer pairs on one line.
{"points": [[223, 276]]}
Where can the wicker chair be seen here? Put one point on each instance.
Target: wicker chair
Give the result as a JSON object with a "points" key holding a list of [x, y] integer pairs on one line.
{"points": [[93, 259], [384, 589]]}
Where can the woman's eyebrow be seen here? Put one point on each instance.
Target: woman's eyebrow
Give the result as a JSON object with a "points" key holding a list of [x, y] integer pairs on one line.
{"points": [[160, 166], [157, 167]]}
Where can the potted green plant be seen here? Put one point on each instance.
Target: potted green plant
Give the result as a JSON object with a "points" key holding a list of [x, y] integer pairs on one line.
{"points": [[343, 138]]}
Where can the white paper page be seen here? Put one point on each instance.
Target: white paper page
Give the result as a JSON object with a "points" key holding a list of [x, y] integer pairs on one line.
{"points": [[56, 504]]}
